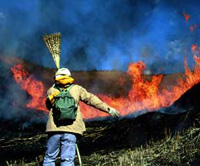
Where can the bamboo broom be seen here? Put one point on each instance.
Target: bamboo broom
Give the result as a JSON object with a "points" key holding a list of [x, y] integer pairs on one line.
{"points": [[53, 43]]}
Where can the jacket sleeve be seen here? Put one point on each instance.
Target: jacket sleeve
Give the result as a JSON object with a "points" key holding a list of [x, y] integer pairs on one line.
{"points": [[92, 100]]}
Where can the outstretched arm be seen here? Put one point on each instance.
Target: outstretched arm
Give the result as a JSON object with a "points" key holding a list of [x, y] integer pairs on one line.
{"points": [[93, 100]]}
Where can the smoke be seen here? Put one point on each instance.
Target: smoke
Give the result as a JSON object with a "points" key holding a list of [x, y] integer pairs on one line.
{"points": [[11, 103], [101, 34], [97, 35], [13, 100]]}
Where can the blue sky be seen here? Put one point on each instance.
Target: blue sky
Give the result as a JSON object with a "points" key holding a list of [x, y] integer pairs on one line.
{"points": [[102, 34]]}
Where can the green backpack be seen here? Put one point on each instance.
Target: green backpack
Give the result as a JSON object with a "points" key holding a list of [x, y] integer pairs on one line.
{"points": [[65, 107]]}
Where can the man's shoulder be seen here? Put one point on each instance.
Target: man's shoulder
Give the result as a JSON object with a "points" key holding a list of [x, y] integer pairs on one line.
{"points": [[76, 86]]}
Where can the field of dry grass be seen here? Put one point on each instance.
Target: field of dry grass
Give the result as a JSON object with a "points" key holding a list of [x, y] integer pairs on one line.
{"points": [[179, 149]]}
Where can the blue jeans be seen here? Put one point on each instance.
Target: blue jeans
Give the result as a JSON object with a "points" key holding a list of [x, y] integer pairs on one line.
{"points": [[65, 143]]}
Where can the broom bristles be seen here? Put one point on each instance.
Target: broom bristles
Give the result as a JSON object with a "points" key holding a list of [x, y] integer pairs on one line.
{"points": [[53, 43]]}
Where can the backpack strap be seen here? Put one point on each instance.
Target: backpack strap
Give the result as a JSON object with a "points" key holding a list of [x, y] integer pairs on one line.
{"points": [[68, 88], [56, 87], [60, 89]]}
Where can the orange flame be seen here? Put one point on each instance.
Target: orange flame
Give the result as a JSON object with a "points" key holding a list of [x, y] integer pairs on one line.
{"points": [[194, 47], [33, 87], [186, 16], [143, 95], [191, 28]]}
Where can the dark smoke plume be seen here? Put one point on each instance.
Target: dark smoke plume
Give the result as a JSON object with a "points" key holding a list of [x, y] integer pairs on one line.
{"points": [[96, 35], [101, 34]]}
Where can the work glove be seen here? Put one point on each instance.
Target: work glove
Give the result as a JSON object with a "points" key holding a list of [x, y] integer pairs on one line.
{"points": [[114, 113]]}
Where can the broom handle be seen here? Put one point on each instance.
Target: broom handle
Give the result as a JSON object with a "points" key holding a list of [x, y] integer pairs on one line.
{"points": [[79, 156]]}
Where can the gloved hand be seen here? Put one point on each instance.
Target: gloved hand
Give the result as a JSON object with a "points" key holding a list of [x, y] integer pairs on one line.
{"points": [[114, 113]]}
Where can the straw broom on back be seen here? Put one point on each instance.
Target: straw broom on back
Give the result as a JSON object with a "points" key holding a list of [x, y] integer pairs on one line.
{"points": [[53, 43]]}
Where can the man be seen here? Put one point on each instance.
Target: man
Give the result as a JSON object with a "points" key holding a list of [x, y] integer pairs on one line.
{"points": [[62, 138]]}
